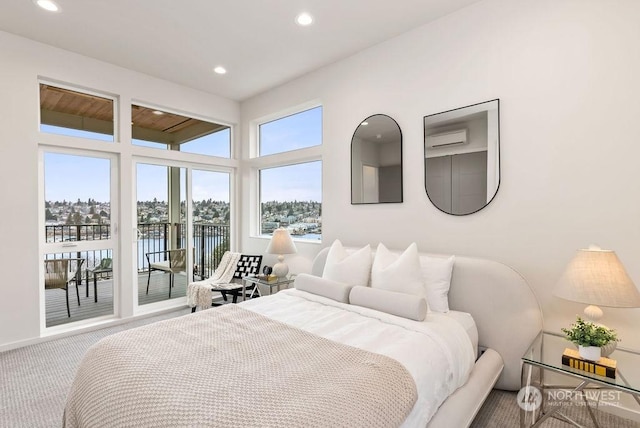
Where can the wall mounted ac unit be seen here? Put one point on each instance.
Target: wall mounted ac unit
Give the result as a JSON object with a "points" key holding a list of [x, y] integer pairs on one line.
{"points": [[446, 139]]}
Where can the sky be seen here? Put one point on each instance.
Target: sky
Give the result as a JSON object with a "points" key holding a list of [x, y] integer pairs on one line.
{"points": [[298, 131], [71, 177]]}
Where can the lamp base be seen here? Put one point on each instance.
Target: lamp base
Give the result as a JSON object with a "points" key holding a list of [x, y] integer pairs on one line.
{"points": [[280, 269], [607, 349], [593, 313]]}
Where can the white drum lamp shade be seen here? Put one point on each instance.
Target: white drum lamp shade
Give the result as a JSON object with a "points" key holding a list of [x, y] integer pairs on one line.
{"points": [[596, 277], [280, 244]]}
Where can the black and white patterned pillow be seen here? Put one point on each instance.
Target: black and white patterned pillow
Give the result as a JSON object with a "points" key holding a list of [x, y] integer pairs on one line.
{"points": [[248, 265]]}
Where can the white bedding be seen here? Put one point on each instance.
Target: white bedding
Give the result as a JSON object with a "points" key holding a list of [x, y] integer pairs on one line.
{"points": [[468, 323], [437, 352]]}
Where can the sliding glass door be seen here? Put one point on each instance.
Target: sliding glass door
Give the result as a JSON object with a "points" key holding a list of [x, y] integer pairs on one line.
{"points": [[78, 238], [166, 223], [211, 215]]}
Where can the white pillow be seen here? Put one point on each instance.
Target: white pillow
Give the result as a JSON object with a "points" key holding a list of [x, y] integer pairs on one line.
{"points": [[323, 287], [437, 278], [341, 266], [402, 274], [390, 302]]}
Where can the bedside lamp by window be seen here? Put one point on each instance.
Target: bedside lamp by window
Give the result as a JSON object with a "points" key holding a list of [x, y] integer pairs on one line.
{"points": [[597, 277], [281, 243]]}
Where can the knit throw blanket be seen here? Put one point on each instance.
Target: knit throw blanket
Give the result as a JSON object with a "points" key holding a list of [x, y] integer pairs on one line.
{"points": [[199, 293], [231, 367]]}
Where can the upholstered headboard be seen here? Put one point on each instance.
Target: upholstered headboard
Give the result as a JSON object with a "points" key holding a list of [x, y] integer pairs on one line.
{"points": [[503, 306]]}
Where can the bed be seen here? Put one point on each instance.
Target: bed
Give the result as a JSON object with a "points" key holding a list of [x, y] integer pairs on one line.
{"points": [[333, 364]]}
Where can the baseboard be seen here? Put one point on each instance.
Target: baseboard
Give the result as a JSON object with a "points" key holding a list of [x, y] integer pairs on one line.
{"points": [[85, 329]]}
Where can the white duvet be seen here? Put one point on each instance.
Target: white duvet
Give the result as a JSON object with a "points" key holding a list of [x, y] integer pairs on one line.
{"points": [[437, 352]]}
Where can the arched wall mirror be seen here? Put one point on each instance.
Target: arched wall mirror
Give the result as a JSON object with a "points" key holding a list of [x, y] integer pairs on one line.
{"points": [[376, 161], [462, 157]]}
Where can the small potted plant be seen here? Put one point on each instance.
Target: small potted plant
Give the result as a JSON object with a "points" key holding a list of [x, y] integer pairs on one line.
{"points": [[589, 337]]}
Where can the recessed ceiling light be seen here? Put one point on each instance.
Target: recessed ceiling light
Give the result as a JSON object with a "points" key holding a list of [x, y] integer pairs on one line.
{"points": [[220, 70], [365, 123], [158, 112], [304, 19], [49, 5]]}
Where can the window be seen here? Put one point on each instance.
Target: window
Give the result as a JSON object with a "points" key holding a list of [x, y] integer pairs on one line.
{"points": [[170, 131], [75, 114], [294, 132], [290, 175], [80, 251], [291, 197], [77, 197]]}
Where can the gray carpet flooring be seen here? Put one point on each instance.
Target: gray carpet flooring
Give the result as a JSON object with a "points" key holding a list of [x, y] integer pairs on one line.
{"points": [[500, 410], [35, 380]]}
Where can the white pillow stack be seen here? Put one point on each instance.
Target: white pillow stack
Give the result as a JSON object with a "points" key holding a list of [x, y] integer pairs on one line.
{"points": [[436, 273], [402, 274], [425, 277], [353, 269]]}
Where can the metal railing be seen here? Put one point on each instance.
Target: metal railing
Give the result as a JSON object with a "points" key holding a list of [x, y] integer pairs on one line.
{"points": [[209, 242]]}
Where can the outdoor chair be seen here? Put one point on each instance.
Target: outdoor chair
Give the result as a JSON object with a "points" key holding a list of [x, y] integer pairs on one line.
{"points": [[58, 273], [105, 266], [176, 261]]}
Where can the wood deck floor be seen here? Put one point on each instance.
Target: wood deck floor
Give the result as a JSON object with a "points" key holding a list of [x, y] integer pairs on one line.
{"points": [[56, 306]]}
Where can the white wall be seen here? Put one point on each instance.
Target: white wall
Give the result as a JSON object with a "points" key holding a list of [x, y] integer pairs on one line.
{"points": [[23, 61], [566, 73]]}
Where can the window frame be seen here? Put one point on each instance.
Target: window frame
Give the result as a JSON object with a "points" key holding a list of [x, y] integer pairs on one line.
{"points": [[218, 160], [282, 116], [115, 100], [124, 155], [275, 160]]}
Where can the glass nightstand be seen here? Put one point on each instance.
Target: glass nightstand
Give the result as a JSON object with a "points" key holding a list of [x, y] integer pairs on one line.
{"points": [[540, 399], [277, 284]]}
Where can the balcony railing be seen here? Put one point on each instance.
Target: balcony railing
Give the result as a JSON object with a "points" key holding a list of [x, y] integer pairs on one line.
{"points": [[209, 242]]}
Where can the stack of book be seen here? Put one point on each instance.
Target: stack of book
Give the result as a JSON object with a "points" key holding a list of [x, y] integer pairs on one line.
{"points": [[269, 278], [603, 367]]}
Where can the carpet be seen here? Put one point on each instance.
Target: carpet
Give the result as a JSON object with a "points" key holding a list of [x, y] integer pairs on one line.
{"points": [[501, 410], [35, 380]]}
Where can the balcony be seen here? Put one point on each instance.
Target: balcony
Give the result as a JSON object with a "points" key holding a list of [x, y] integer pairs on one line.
{"points": [[209, 242]]}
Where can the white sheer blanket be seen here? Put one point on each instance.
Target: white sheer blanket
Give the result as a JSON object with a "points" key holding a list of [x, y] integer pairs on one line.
{"points": [[199, 293]]}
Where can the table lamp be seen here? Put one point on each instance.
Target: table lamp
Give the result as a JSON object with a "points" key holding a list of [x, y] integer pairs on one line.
{"points": [[597, 277], [280, 244]]}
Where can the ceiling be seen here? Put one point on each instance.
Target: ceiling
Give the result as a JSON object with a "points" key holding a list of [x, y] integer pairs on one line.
{"points": [[257, 41]]}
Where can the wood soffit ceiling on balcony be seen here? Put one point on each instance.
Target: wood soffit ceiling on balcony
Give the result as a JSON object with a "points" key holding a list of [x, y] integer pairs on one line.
{"points": [[77, 110]]}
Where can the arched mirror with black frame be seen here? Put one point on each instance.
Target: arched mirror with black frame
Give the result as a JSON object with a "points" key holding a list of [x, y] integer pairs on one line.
{"points": [[462, 157], [376, 161]]}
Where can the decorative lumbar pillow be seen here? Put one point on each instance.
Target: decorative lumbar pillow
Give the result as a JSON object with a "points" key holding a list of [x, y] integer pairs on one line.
{"points": [[401, 274], [437, 277], [348, 268], [323, 287], [390, 302]]}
